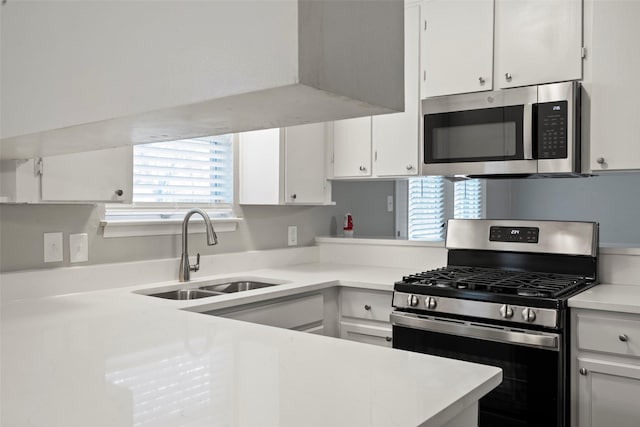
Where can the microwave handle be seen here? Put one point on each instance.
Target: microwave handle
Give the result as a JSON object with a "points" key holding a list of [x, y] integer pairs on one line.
{"points": [[527, 132]]}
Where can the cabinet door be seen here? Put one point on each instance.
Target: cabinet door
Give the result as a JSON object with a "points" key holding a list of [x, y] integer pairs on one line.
{"points": [[456, 46], [366, 334], [305, 180], [93, 176], [537, 41], [608, 394], [395, 137], [352, 147], [300, 313], [612, 67], [260, 164]]}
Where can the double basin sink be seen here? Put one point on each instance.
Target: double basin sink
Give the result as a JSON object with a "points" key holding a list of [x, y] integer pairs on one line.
{"points": [[210, 290]]}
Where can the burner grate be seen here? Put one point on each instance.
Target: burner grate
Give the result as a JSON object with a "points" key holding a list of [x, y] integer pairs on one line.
{"points": [[499, 281]]}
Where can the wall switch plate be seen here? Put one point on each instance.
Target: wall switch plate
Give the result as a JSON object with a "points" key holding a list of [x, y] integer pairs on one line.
{"points": [[79, 247], [53, 251], [292, 235], [389, 203]]}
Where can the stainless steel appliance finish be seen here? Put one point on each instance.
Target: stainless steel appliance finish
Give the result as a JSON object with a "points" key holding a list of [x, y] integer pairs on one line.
{"points": [[480, 309], [557, 237], [502, 300], [184, 274], [528, 162], [470, 329]]}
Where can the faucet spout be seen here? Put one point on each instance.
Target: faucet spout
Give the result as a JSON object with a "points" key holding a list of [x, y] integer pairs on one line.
{"points": [[184, 274]]}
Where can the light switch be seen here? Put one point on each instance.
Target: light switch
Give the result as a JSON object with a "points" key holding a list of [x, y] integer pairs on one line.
{"points": [[79, 247], [53, 247], [292, 235]]}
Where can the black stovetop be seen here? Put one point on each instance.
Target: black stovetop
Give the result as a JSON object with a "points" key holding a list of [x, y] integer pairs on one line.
{"points": [[541, 289]]}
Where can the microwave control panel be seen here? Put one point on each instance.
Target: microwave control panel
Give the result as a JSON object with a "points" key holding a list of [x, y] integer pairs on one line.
{"points": [[551, 130]]}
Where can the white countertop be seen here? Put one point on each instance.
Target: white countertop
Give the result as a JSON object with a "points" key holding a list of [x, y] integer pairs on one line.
{"points": [[117, 358], [608, 297]]}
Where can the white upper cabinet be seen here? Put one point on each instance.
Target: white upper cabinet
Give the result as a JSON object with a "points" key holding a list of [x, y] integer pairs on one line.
{"points": [[481, 45], [352, 148], [305, 180], [395, 137], [456, 46], [612, 66], [92, 176], [537, 41], [284, 166]]}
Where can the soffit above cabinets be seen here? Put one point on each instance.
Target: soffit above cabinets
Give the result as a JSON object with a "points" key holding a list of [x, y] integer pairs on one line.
{"points": [[81, 76]]}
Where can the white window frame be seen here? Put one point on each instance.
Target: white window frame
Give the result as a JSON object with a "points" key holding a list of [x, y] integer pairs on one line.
{"points": [[158, 219], [402, 208]]}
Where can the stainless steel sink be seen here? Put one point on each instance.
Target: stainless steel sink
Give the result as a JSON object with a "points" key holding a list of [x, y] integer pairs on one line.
{"points": [[185, 294], [211, 289], [238, 286]]}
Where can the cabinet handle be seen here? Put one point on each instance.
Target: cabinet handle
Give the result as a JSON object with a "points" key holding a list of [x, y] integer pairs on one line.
{"points": [[388, 339], [583, 371], [362, 169], [600, 160], [481, 80], [367, 307], [409, 167], [623, 337], [119, 193], [294, 196], [507, 76]]}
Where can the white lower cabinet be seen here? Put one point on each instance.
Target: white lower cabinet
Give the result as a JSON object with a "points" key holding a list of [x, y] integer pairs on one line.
{"points": [[302, 313], [364, 316], [605, 369], [609, 394]]}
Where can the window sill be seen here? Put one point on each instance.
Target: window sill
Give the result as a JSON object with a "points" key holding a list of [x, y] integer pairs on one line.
{"points": [[162, 227]]}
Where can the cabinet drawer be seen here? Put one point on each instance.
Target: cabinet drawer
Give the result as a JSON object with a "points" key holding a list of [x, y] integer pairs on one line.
{"points": [[375, 335], [365, 304], [609, 334], [300, 313]]}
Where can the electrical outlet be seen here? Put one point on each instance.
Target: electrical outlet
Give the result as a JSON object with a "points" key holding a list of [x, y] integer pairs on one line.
{"points": [[79, 247], [389, 203], [292, 235], [53, 247]]}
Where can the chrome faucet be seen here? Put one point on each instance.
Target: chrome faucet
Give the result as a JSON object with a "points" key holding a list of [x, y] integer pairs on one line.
{"points": [[212, 239]]}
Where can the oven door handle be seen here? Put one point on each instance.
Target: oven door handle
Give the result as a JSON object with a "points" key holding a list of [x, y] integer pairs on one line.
{"points": [[473, 330]]}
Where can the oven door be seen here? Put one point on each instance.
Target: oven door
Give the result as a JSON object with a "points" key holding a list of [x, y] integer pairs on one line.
{"points": [[532, 391]]}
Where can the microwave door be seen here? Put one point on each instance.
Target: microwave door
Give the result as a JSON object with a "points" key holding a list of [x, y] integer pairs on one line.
{"points": [[482, 141]]}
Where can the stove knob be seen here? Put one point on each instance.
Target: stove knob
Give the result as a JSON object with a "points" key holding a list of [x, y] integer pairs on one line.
{"points": [[528, 315], [506, 311], [430, 303], [412, 300]]}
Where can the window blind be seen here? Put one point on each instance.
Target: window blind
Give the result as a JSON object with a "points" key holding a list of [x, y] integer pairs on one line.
{"points": [[468, 200], [426, 208], [194, 171], [429, 205]]}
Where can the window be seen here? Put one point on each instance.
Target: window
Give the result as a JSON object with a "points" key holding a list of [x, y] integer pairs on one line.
{"points": [[169, 178], [426, 208], [432, 199]]}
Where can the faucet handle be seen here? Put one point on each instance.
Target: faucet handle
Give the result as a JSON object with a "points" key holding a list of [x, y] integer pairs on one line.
{"points": [[197, 266]]}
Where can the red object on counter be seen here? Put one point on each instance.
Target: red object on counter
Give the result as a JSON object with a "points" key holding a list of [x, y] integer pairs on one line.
{"points": [[348, 222]]}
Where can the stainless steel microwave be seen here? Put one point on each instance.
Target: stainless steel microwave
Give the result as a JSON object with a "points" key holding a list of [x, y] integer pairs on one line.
{"points": [[525, 131]]}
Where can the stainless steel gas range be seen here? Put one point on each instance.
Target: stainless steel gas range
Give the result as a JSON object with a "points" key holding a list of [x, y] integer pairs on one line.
{"points": [[502, 300]]}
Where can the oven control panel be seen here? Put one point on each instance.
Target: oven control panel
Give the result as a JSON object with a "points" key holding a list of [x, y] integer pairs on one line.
{"points": [[479, 309], [514, 234]]}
